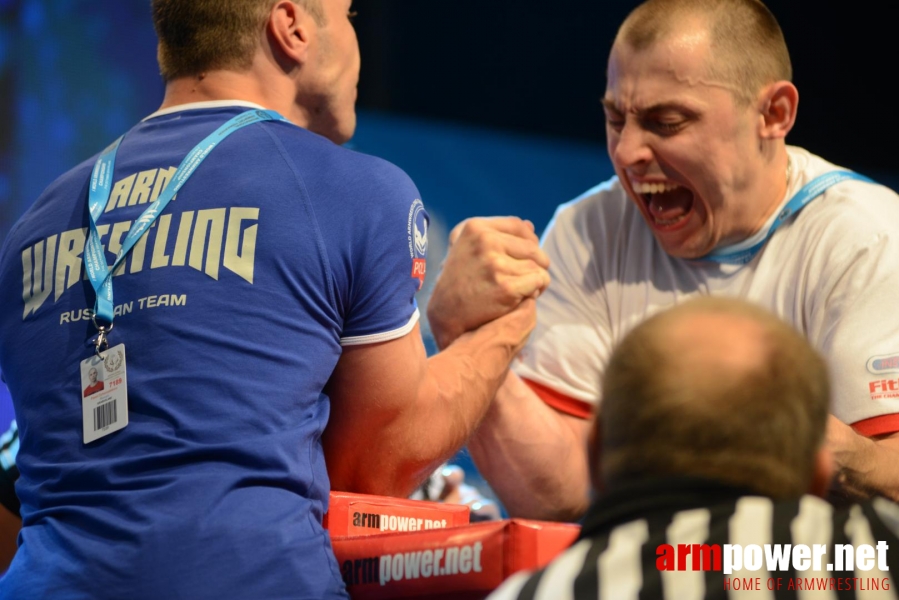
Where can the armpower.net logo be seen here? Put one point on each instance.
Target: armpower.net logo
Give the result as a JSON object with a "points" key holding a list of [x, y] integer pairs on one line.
{"points": [[744, 561], [419, 564]]}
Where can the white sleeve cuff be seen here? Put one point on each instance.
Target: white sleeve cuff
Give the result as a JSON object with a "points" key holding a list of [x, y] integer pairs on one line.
{"points": [[385, 336]]}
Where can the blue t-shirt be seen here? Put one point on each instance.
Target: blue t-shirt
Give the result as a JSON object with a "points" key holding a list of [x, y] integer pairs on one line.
{"points": [[233, 308]]}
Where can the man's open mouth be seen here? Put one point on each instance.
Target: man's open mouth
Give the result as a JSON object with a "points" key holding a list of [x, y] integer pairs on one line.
{"points": [[668, 204]]}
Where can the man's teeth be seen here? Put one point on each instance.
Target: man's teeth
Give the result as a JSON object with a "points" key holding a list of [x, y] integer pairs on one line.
{"points": [[653, 188], [666, 222]]}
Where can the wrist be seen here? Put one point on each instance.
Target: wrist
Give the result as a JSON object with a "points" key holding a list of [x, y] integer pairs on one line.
{"points": [[444, 331], [444, 336]]}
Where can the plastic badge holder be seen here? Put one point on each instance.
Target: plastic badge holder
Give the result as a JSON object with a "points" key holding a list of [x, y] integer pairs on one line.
{"points": [[459, 563], [362, 514]]}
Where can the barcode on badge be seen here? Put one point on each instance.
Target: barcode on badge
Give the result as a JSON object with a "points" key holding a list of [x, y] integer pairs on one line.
{"points": [[105, 415]]}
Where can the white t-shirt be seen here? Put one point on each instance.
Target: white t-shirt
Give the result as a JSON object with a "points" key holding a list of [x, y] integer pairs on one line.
{"points": [[832, 271]]}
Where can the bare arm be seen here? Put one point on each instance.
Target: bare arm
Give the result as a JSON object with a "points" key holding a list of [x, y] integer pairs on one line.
{"points": [[534, 456], [396, 414], [865, 466]]}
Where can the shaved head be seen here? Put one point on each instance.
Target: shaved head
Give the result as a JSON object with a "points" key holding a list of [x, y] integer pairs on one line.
{"points": [[715, 388], [747, 46]]}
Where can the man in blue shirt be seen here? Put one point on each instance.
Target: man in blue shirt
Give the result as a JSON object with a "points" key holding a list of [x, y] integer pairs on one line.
{"points": [[270, 323]]}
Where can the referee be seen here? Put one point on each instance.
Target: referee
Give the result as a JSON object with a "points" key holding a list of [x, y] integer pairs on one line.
{"points": [[9, 503], [711, 431]]}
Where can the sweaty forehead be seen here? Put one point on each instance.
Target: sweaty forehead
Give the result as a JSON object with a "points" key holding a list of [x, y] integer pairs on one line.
{"points": [[672, 69]]}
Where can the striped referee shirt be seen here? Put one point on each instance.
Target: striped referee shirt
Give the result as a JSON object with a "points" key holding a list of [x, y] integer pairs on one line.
{"points": [[621, 554], [9, 447]]}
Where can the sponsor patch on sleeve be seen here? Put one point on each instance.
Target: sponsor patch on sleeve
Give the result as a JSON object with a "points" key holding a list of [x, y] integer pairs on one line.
{"points": [[417, 230]]}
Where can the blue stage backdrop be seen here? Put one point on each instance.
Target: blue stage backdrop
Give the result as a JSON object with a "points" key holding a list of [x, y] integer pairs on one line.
{"points": [[75, 74]]}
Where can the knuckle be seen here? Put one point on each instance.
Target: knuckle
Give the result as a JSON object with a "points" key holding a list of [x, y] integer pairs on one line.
{"points": [[507, 289], [495, 278], [533, 267], [459, 228], [484, 244], [474, 225]]}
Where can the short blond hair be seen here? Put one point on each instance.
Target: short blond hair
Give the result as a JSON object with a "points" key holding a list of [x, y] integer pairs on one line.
{"points": [[196, 36], [748, 45]]}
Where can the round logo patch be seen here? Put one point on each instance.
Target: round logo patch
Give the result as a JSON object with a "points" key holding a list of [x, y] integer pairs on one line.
{"points": [[417, 229]]}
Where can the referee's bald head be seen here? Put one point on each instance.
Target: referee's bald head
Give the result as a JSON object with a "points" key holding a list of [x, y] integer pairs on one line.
{"points": [[715, 388]]}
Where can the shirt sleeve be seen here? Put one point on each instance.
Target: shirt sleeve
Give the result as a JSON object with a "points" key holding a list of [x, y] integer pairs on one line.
{"points": [[382, 262], [856, 327], [571, 344]]}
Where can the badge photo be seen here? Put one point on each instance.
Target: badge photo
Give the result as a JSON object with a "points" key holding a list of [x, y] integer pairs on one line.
{"points": [[104, 392]]}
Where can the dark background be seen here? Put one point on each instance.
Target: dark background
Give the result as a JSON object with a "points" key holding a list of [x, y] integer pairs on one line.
{"points": [[491, 106], [540, 67], [75, 73]]}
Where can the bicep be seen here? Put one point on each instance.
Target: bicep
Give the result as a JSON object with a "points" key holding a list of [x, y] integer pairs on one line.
{"points": [[372, 385], [534, 456]]}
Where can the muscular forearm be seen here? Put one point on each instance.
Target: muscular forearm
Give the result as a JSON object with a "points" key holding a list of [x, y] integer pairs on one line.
{"points": [[454, 396], [390, 430], [534, 457]]}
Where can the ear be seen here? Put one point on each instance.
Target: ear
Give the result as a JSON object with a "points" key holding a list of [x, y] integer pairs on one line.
{"points": [[290, 29], [823, 473], [777, 106]]}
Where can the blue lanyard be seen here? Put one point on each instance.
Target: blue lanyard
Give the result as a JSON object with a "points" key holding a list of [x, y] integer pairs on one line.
{"points": [[99, 273], [809, 192]]}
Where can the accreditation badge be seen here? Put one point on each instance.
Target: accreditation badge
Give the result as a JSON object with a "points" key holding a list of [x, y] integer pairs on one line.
{"points": [[104, 393]]}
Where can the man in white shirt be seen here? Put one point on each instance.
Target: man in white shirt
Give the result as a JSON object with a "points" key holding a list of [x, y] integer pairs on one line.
{"points": [[698, 105], [706, 481]]}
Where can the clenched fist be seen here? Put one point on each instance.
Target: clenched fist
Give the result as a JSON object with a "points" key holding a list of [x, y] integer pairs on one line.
{"points": [[492, 265]]}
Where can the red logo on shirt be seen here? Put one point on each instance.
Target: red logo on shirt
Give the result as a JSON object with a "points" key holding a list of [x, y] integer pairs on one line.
{"points": [[418, 270], [884, 388]]}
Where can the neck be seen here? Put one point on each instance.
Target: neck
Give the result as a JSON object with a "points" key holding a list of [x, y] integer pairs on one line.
{"points": [[272, 93], [767, 193], [775, 183]]}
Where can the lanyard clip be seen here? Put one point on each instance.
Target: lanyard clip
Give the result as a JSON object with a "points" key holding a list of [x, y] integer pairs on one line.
{"points": [[101, 344]]}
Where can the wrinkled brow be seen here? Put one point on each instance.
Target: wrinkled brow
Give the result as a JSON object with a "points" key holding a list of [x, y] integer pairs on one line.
{"points": [[654, 109]]}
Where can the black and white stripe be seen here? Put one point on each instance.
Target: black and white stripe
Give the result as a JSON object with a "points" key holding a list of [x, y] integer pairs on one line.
{"points": [[9, 448], [620, 564]]}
